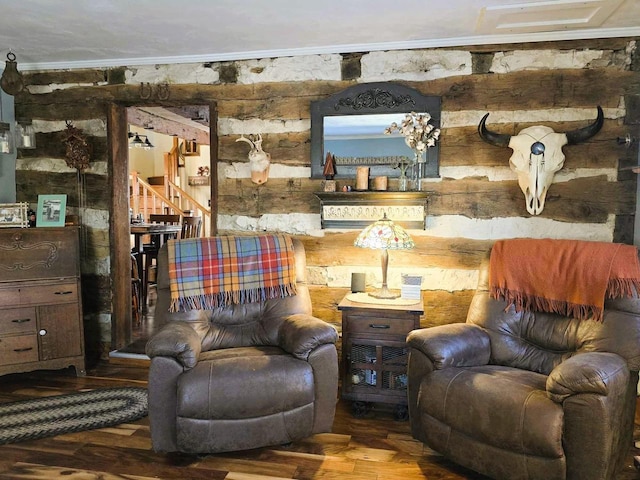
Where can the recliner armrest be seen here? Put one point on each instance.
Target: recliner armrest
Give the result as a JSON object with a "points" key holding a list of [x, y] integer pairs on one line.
{"points": [[453, 345], [176, 339], [592, 372], [300, 334]]}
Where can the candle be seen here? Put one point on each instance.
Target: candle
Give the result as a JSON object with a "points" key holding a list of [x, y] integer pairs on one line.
{"points": [[380, 183], [26, 141], [362, 178]]}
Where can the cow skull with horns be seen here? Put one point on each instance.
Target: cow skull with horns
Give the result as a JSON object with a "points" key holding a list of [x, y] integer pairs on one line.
{"points": [[537, 155]]}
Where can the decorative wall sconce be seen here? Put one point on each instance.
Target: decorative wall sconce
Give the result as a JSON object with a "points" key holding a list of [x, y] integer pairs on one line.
{"points": [[25, 134], [6, 140], [11, 81], [138, 141]]}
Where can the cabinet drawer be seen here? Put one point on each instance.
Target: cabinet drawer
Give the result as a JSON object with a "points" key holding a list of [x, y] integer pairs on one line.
{"points": [[380, 325], [18, 320], [10, 296], [18, 349], [49, 294], [43, 294]]}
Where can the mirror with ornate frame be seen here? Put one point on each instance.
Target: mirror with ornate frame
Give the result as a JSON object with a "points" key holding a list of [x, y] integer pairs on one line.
{"points": [[350, 125]]}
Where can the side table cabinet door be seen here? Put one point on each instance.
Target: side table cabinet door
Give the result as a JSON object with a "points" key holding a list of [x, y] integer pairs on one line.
{"points": [[361, 368], [394, 367], [59, 332]]}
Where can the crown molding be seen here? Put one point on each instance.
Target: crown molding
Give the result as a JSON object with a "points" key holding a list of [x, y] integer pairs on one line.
{"points": [[576, 34]]}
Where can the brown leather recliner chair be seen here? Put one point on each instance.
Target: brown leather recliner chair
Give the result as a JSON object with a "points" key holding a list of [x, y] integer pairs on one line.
{"points": [[242, 376], [527, 395]]}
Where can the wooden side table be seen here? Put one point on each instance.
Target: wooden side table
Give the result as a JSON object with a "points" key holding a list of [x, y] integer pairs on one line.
{"points": [[374, 350]]}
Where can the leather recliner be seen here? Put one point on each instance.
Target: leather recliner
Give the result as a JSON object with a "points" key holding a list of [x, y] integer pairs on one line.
{"points": [[527, 395], [241, 376]]}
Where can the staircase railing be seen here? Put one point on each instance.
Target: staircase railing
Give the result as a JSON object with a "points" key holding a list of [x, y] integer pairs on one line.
{"points": [[187, 203], [146, 200]]}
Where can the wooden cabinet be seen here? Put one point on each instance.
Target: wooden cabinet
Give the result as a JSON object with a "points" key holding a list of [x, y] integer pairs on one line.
{"points": [[40, 303], [374, 352]]}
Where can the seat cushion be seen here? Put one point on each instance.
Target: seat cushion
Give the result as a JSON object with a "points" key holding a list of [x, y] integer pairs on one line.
{"points": [[504, 407], [247, 382]]}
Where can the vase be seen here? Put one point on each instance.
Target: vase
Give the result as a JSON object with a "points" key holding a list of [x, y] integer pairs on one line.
{"points": [[403, 181], [415, 177]]}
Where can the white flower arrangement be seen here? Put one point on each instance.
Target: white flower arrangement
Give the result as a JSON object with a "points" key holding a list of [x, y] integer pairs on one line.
{"points": [[419, 133]]}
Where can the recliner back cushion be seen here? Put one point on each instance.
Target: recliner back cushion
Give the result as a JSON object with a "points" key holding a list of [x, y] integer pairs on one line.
{"points": [[539, 341], [253, 324]]}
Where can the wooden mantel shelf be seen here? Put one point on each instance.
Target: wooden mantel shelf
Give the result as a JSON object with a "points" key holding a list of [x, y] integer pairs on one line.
{"points": [[361, 208]]}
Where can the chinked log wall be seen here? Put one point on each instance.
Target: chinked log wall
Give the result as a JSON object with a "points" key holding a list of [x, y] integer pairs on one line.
{"points": [[477, 200]]}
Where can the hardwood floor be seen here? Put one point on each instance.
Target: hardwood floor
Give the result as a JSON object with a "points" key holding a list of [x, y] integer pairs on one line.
{"points": [[372, 448]]}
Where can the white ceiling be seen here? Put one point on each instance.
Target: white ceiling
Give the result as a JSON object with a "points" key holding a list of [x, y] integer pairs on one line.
{"points": [[46, 34]]}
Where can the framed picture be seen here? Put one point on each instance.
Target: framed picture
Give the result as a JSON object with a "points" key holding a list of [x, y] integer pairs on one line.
{"points": [[13, 215], [191, 148], [51, 210]]}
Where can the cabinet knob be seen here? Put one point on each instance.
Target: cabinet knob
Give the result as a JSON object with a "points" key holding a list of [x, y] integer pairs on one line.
{"points": [[42, 332]]}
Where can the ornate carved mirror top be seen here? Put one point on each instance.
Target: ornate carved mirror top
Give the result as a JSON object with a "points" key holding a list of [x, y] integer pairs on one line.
{"points": [[350, 126]]}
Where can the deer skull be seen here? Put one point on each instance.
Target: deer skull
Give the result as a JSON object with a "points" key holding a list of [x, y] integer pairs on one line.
{"points": [[259, 160]]}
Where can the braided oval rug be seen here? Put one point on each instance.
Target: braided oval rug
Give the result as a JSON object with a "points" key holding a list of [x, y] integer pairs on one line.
{"points": [[74, 412]]}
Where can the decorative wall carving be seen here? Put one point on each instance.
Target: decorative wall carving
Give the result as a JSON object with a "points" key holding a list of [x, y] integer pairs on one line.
{"points": [[375, 98], [359, 209]]}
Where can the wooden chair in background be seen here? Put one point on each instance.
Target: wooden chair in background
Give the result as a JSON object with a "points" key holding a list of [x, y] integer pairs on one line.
{"points": [[136, 290], [191, 227], [152, 248]]}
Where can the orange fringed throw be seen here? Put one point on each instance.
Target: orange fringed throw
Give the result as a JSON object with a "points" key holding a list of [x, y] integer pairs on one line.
{"points": [[568, 277]]}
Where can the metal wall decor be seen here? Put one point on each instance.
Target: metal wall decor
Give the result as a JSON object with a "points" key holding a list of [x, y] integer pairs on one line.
{"points": [[162, 91], [374, 98], [11, 81]]}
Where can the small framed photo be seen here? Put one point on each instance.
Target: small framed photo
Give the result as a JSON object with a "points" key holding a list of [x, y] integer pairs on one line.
{"points": [[51, 210], [14, 215], [191, 148]]}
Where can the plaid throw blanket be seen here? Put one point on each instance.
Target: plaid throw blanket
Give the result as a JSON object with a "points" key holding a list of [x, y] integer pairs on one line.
{"points": [[205, 273]]}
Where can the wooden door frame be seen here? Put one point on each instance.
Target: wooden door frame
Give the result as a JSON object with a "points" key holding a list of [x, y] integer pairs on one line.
{"points": [[119, 235]]}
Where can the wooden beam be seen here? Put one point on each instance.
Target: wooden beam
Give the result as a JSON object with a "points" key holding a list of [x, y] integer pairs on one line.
{"points": [[120, 240], [169, 123]]}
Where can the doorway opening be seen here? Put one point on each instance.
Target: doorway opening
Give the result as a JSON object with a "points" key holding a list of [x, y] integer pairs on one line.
{"points": [[166, 174]]}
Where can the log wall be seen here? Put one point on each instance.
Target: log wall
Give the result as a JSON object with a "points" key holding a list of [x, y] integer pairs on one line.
{"points": [[476, 201]]}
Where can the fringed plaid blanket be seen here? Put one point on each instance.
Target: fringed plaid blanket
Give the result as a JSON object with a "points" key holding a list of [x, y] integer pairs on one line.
{"points": [[205, 273], [568, 277]]}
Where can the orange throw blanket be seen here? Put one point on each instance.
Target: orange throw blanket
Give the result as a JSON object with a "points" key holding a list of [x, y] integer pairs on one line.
{"points": [[568, 277]]}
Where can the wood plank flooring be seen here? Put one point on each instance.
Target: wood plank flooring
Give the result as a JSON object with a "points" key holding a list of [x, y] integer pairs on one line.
{"points": [[376, 447]]}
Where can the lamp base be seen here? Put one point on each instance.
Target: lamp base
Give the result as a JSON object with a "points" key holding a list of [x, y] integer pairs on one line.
{"points": [[384, 292]]}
